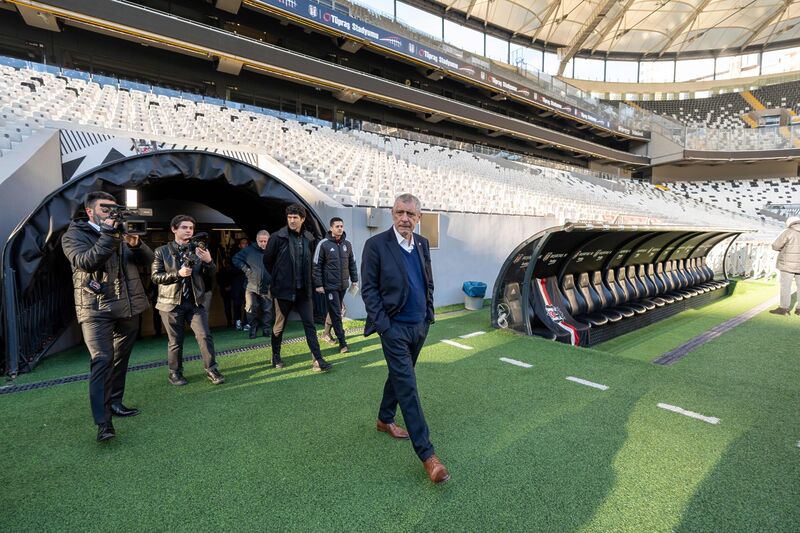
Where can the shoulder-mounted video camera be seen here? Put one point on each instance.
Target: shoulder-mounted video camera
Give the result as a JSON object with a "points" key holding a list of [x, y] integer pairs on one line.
{"points": [[122, 215], [187, 252]]}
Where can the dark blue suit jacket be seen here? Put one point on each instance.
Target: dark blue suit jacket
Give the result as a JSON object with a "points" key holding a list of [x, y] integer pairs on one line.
{"points": [[384, 279]]}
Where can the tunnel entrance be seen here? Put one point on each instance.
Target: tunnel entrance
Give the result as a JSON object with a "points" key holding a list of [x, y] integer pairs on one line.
{"points": [[229, 199]]}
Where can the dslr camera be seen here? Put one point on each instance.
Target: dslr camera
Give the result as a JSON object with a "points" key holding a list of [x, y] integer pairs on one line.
{"points": [[188, 257], [122, 214]]}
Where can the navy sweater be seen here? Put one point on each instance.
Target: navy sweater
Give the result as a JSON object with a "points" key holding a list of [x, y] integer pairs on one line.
{"points": [[413, 312]]}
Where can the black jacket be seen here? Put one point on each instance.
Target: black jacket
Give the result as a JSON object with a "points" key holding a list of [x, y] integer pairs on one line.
{"points": [[166, 263], [250, 260], [334, 264], [104, 257], [280, 261], [384, 279]]}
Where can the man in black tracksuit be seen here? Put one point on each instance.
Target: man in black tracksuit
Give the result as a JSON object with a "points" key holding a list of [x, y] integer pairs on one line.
{"points": [[288, 260], [258, 300], [109, 299], [334, 269]]}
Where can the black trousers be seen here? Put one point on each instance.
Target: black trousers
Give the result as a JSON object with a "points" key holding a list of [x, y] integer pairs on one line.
{"points": [[175, 324], [110, 343], [302, 306], [334, 301], [401, 346], [258, 305]]}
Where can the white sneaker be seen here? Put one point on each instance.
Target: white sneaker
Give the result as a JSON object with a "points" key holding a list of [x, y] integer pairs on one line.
{"points": [[238, 325]]}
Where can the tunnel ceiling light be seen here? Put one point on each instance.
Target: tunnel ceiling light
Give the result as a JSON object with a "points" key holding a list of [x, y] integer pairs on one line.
{"points": [[131, 198]]}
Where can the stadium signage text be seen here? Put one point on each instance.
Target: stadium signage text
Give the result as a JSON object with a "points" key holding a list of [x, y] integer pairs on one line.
{"points": [[343, 23]]}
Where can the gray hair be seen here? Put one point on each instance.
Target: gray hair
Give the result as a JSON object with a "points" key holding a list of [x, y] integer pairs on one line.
{"points": [[408, 198], [262, 233]]}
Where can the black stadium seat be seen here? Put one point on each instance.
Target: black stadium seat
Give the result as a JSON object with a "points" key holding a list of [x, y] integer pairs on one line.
{"points": [[651, 289], [620, 295], [595, 302], [632, 291], [578, 306], [607, 299]]}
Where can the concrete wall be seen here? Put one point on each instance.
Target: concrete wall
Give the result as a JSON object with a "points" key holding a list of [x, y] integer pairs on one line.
{"points": [[28, 173], [725, 171], [472, 247]]}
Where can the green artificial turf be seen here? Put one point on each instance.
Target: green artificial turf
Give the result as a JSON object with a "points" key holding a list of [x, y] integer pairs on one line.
{"points": [[649, 342], [290, 450]]}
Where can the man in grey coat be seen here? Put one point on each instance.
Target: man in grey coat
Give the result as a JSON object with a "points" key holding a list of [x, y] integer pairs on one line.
{"points": [[258, 300], [788, 247]]}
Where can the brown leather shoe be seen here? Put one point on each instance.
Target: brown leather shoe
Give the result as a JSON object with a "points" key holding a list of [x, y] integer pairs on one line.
{"points": [[436, 470], [392, 429]]}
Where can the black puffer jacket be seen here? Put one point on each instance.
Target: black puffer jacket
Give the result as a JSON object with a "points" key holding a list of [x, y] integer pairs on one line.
{"points": [[250, 260], [334, 264], [166, 263], [105, 258], [280, 261]]}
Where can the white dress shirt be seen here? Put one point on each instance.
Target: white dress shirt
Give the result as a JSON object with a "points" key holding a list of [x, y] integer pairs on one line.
{"points": [[406, 244]]}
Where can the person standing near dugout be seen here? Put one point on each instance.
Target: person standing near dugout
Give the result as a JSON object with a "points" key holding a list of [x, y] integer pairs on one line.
{"points": [[334, 270]]}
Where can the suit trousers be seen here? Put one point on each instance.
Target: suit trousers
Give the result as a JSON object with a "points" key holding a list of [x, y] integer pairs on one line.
{"points": [[786, 288], [302, 306], [401, 346], [110, 343], [333, 300], [175, 324], [258, 305]]}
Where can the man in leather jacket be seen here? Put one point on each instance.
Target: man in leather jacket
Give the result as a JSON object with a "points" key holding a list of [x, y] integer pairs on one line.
{"points": [[109, 299], [288, 260], [178, 270]]}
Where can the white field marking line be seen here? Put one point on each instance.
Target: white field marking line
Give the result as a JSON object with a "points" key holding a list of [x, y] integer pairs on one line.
{"points": [[691, 414], [798, 444], [457, 344], [470, 335], [587, 383], [515, 362]]}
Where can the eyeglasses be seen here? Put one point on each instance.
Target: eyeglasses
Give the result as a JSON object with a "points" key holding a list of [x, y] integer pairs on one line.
{"points": [[401, 214], [105, 208]]}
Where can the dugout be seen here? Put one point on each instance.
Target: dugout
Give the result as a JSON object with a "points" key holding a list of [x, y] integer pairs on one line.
{"points": [[583, 284], [37, 306]]}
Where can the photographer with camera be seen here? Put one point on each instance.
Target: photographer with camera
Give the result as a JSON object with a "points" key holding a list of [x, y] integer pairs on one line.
{"points": [[178, 269], [109, 299]]}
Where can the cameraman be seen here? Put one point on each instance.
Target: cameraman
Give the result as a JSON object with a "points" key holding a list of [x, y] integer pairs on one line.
{"points": [[109, 298], [258, 300], [178, 269]]}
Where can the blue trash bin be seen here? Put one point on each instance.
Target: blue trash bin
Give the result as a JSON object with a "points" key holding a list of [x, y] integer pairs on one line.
{"points": [[475, 292]]}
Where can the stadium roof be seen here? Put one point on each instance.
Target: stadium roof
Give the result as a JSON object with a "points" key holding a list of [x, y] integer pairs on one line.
{"points": [[644, 27]]}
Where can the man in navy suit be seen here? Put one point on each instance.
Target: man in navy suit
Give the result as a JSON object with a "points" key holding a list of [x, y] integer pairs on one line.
{"points": [[397, 288]]}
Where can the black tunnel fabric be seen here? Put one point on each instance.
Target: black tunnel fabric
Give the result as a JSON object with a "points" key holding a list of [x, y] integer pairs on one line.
{"points": [[195, 175]]}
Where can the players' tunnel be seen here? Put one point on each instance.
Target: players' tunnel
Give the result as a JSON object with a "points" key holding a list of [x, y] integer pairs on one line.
{"points": [[37, 305]]}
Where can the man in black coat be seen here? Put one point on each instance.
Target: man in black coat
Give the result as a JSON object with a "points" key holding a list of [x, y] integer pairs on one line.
{"points": [[258, 301], [109, 299], [288, 260], [179, 273], [334, 269], [397, 289]]}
